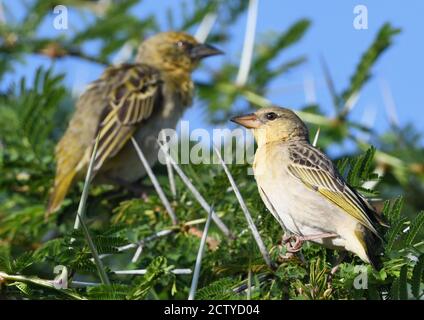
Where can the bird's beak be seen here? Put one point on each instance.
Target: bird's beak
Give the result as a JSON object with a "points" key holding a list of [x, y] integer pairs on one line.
{"points": [[203, 50], [249, 121]]}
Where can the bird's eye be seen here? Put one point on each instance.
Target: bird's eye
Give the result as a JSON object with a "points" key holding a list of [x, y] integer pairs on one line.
{"points": [[271, 116], [184, 45]]}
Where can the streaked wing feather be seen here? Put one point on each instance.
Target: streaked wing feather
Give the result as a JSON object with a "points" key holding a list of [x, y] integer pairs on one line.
{"points": [[130, 102], [317, 172]]}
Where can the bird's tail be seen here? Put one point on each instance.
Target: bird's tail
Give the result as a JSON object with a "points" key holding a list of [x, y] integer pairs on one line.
{"points": [[373, 248], [60, 189]]}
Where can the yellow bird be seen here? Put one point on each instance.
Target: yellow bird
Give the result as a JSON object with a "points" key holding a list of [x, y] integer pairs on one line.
{"points": [[301, 187], [129, 100]]}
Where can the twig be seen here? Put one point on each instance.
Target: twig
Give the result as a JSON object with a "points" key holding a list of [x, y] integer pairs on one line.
{"points": [[54, 48], [249, 42], [198, 265], [81, 55], [81, 214], [155, 182], [315, 118], [256, 98], [40, 282], [314, 143], [381, 156], [197, 195], [252, 226], [205, 27]]}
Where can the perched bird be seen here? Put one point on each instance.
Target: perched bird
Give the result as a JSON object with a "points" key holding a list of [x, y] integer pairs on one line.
{"points": [[129, 100], [301, 187]]}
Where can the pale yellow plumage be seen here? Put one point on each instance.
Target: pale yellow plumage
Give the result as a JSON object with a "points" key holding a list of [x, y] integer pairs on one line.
{"points": [[303, 190]]}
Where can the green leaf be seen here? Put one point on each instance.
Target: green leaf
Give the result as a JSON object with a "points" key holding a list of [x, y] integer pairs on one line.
{"points": [[417, 277], [284, 40], [403, 283], [5, 260], [392, 212], [394, 232], [362, 73], [394, 290], [157, 268], [23, 287], [109, 292], [218, 290], [415, 228]]}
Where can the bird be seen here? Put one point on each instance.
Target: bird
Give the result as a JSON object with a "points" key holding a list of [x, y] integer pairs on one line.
{"points": [[305, 193], [128, 100]]}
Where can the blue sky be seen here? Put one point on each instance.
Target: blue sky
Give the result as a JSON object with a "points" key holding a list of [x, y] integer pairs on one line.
{"points": [[331, 35]]}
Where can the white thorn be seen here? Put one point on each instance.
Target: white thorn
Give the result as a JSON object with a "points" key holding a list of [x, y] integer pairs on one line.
{"points": [[389, 103], [309, 89], [248, 216], [350, 103], [155, 182], [199, 257], [143, 271], [249, 42], [314, 143], [137, 253], [200, 199], [205, 27], [124, 54]]}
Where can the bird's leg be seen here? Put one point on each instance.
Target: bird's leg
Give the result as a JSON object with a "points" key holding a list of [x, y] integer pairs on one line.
{"points": [[298, 240], [292, 247]]}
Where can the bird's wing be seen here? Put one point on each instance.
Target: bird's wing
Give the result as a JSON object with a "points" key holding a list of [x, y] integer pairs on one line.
{"points": [[134, 94], [316, 171]]}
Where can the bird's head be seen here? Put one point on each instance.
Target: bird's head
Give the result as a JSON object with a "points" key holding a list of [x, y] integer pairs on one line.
{"points": [[173, 51], [274, 124]]}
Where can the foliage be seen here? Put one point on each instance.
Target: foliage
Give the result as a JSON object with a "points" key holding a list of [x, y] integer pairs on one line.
{"points": [[33, 115]]}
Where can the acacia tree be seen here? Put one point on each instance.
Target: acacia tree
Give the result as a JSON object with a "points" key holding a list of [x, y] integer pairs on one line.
{"points": [[126, 234]]}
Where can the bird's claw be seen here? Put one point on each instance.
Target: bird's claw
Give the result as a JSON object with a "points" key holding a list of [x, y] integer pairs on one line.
{"points": [[293, 247]]}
